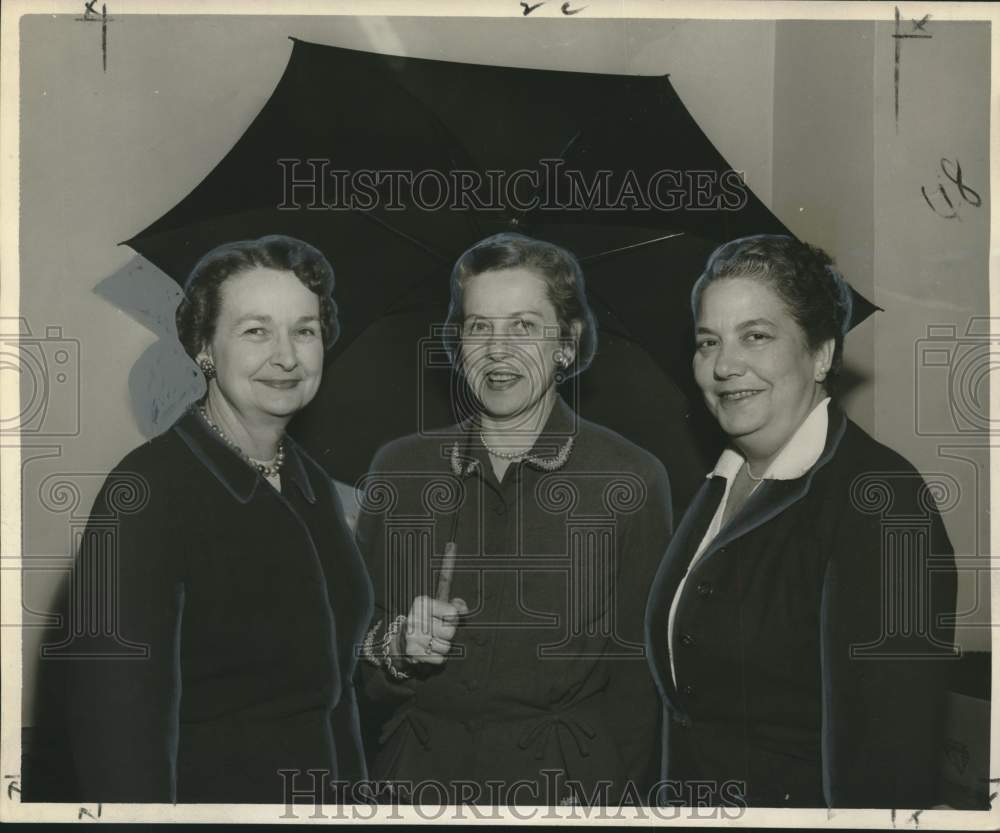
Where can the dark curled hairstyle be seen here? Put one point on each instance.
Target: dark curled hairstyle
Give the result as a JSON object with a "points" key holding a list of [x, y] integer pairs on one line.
{"points": [[199, 310], [554, 265], [802, 275]]}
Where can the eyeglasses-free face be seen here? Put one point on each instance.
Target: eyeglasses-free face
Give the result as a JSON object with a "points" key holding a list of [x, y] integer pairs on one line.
{"points": [[511, 345], [267, 347], [754, 367]]}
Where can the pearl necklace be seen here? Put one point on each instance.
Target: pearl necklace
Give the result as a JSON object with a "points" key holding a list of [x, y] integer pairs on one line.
{"points": [[270, 469], [544, 463], [503, 455]]}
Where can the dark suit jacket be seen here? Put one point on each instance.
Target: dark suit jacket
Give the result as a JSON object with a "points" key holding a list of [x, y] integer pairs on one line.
{"points": [[812, 640], [213, 627], [554, 565]]}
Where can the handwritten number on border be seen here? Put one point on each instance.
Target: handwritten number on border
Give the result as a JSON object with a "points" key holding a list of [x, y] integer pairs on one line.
{"points": [[952, 169], [566, 8], [85, 812], [13, 786]]}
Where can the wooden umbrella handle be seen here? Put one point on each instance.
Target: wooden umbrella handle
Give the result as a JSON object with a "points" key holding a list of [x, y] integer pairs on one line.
{"points": [[447, 569]]}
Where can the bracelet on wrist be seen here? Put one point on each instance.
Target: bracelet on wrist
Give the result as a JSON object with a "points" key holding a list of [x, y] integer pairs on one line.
{"points": [[391, 632], [368, 646]]}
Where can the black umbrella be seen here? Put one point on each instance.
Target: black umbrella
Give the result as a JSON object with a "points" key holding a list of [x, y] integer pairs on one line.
{"points": [[393, 166]]}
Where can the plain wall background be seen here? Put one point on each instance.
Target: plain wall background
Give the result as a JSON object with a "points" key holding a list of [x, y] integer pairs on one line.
{"points": [[803, 109]]}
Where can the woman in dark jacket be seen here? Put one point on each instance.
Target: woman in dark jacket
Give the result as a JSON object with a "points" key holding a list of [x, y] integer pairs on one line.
{"points": [[798, 626], [219, 598], [527, 672]]}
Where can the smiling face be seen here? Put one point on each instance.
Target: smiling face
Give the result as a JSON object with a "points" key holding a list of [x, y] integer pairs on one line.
{"points": [[510, 338], [267, 347], [753, 365]]}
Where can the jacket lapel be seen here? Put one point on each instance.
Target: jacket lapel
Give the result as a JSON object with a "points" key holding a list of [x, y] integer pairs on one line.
{"points": [[672, 567], [235, 473], [775, 496], [771, 499]]}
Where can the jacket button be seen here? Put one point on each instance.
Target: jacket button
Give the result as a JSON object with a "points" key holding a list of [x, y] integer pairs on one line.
{"points": [[687, 640], [500, 509], [471, 685], [705, 589], [480, 639], [688, 691]]}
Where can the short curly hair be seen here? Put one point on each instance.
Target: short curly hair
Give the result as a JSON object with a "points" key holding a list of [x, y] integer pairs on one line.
{"points": [[199, 309], [557, 267], [802, 275]]}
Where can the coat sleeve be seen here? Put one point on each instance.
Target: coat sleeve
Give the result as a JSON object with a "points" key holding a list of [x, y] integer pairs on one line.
{"points": [[888, 591], [353, 596], [123, 667], [632, 701], [346, 725]]}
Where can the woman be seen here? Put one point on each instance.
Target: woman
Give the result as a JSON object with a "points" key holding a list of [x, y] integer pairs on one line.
{"points": [[528, 673], [774, 629], [241, 597]]}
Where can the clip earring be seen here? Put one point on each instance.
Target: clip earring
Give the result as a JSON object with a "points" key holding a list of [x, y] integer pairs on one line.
{"points": [[207, 367]]}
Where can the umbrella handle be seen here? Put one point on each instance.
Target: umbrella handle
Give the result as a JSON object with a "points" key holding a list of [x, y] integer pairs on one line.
{"points": [[447, 569]]}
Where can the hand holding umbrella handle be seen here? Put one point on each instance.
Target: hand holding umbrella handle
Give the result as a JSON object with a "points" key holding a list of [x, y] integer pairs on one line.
{"points": [[430, 627], [431, 623]]}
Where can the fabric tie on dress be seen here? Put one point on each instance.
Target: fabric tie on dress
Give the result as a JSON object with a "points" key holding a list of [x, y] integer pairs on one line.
{"points": [[546, 729], [416, 725]]}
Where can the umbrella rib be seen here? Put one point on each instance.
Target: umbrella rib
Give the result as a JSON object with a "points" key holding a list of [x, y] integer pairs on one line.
{"points": [[524, 212], [623, 332], [610, 252], [418, 243]]}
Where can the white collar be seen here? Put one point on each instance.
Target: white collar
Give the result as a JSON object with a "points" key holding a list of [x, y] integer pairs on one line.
{"points": [[799, 454]]}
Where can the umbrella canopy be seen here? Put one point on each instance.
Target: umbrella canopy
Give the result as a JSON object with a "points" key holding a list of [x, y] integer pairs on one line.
{"points": [[393, 166]]}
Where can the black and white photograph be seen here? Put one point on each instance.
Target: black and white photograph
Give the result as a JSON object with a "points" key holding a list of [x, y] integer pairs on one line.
{"points": [[476, 412]]}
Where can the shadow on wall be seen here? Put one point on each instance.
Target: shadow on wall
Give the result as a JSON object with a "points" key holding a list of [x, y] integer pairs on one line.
{"points": [[164, 380]]}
